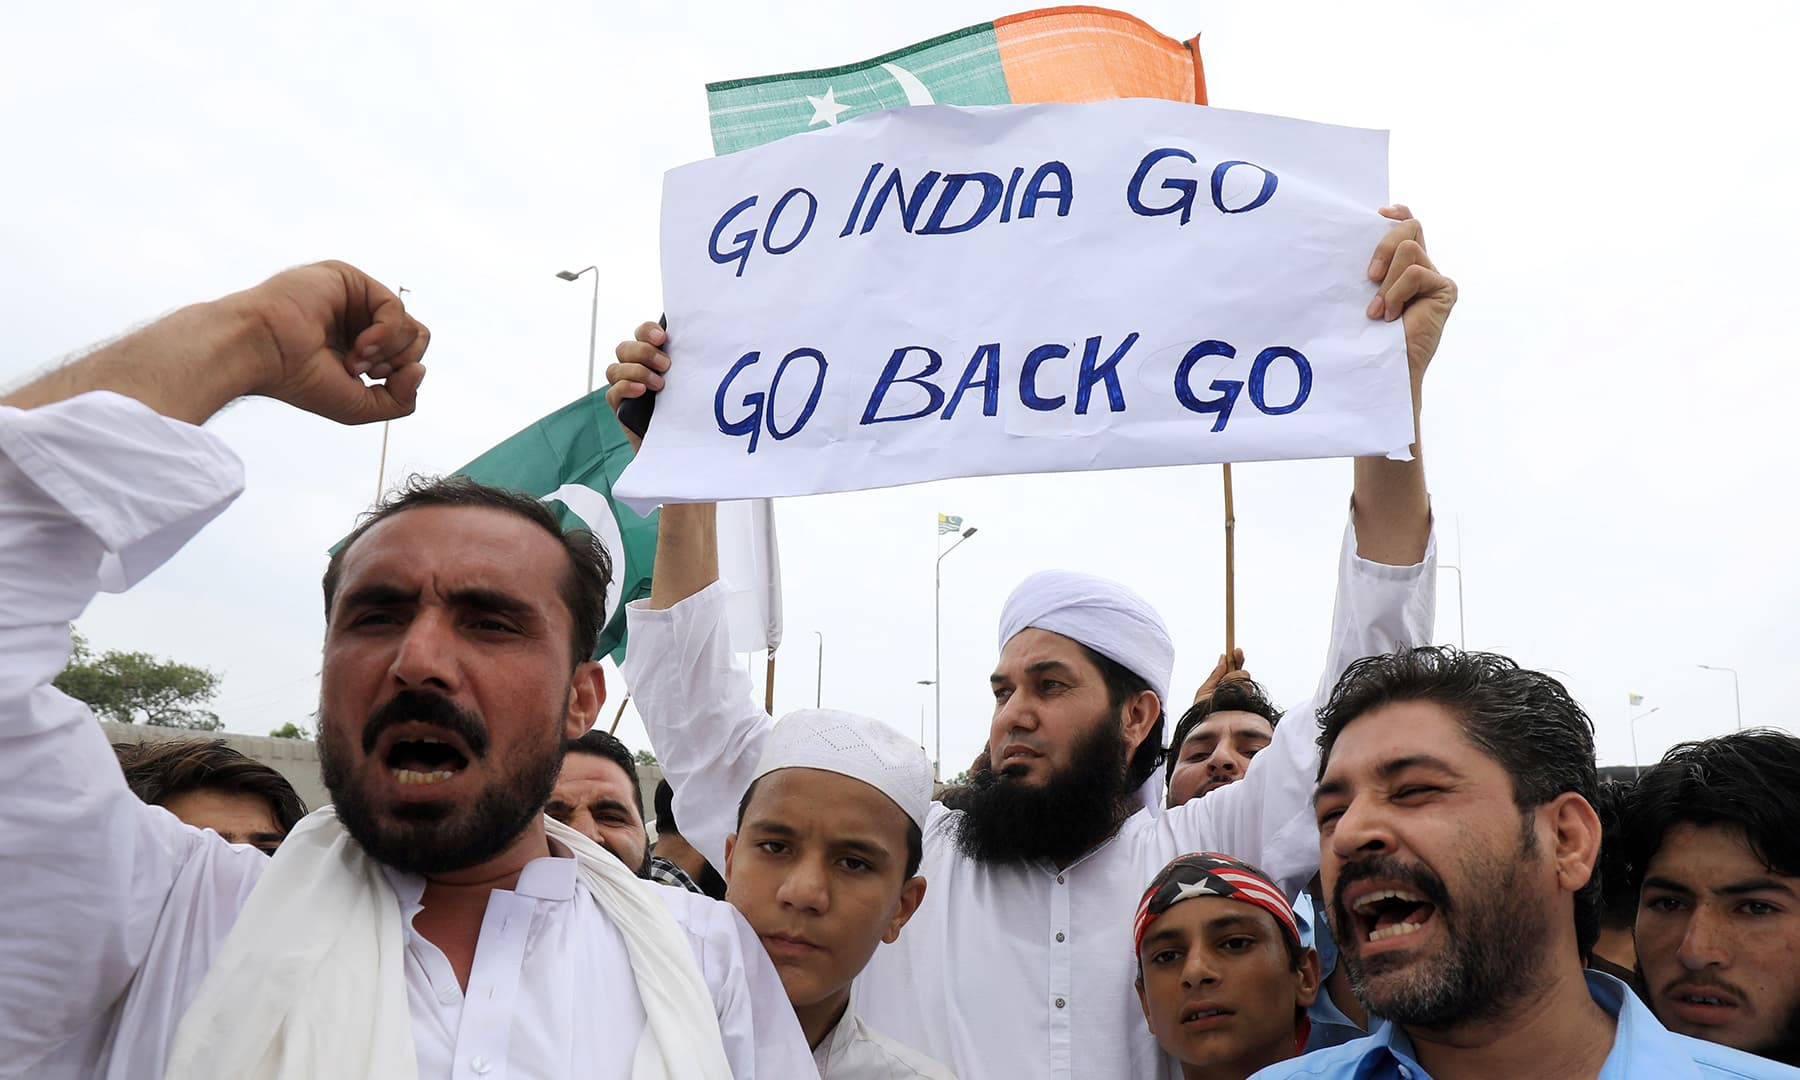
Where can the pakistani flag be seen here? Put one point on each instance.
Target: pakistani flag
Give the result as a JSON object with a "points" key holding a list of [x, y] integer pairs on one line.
{"points": [[1069, 54], [949, 523], [570, 460]]}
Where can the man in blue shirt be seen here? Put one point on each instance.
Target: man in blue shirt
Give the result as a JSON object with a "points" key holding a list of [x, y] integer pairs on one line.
{"points": [[1457, 847]]}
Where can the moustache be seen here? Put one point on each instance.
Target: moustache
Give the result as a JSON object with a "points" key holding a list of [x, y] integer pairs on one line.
{"points": [[424, 707], [1387, 868]]}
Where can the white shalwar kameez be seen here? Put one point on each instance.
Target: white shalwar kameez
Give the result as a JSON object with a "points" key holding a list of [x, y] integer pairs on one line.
{"points": [[1015, 971], [115, 909], [853, 1052]]}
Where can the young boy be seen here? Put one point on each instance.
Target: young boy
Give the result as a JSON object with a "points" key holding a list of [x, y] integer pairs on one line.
{"points": [[1222, 977], [824, 867]]}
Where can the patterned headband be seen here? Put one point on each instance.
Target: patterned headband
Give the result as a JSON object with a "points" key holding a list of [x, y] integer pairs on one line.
{"points": [[1211, 874]]}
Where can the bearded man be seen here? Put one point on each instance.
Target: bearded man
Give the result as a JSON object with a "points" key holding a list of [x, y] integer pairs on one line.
{"points": [[1022, 964], [1458, 843], [434, 923]]}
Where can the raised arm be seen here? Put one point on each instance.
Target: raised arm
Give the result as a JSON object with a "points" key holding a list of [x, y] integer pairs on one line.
{"points": [[697, 705], [1386, 595], [97, 490]]}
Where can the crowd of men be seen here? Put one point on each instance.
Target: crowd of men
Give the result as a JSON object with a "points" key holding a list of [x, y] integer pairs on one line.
{"points": [[1414, 873]]}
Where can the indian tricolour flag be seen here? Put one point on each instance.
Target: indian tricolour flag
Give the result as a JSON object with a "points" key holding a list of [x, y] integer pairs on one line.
{"points": [[1067, 54]]}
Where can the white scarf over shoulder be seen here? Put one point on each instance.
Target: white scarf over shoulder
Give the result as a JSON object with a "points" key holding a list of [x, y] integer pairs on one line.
{"points": [[310, 982]]}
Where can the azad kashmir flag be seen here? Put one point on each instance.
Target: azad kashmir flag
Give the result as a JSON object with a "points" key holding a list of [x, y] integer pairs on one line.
{"points": [[570, 460], [1066, 54]]}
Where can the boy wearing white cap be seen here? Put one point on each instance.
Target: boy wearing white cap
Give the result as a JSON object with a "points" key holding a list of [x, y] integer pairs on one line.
{"points": [[824, 866], [1022, 965]]}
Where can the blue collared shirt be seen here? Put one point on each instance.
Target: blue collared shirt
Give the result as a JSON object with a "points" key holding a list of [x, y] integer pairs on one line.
{"points": [[1642, 1050], [1330, 1025]]}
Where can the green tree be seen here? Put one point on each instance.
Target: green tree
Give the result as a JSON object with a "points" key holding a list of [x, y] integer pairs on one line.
{"points": [[290, 730], [137, 688], [645, 757]]}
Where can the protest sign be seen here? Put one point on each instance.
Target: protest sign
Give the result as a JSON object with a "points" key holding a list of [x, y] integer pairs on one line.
{"points": [[934, 292]]}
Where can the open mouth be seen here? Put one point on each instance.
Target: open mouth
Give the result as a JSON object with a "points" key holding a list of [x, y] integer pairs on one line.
{"points": [[424, 759], [1196, 1015], [1391, 913]]}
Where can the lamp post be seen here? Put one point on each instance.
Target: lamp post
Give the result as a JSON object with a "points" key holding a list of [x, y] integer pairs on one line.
{"points": [[937, 651], [1735, 699], [819, 689], [1462, 637], [381, 468], [593, 317], [925, 682], [1637, 770]]}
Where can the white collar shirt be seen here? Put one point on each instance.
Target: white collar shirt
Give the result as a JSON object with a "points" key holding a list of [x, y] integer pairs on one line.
{"points": [[116, 909], [853, 1052], [1017, 970]]}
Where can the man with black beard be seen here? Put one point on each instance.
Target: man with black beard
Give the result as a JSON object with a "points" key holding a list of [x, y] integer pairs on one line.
{"points": [[1457, 845], [1022, 965], [434, 924]]}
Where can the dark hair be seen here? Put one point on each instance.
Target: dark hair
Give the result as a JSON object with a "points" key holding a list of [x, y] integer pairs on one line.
{"points": [[603, 744], [1123, 684], [157, 771], [665, 809], [1524, 720], [915, 840], [1618, 896], [1749, 779], [590, 567], [1238, 695]]}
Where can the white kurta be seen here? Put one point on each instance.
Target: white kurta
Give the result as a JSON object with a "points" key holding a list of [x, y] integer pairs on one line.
{"points": [[1017, 971], [853, 1052], [115, 909]]}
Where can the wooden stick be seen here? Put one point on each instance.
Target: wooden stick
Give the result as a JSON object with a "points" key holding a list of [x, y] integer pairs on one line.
{"points": [[626, 700], [1230, 572], [769, 690]]}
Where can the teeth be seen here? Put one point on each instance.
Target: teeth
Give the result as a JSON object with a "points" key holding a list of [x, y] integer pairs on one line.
{"points": [[410, 776], [1703, 1000], [1394, 931], [428, 739], [1364, 902]]}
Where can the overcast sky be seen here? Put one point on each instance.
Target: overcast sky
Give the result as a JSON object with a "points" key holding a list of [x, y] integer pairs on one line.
{"points": [[1611, 185]]}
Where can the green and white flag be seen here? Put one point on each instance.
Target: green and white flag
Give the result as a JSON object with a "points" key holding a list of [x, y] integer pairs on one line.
{"points": [[949, 523], [570, 459]]}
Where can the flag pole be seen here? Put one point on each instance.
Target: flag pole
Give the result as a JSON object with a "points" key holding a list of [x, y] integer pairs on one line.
{"points": [[626, 700], [769, 690], [381, 468], [1230, 571]]}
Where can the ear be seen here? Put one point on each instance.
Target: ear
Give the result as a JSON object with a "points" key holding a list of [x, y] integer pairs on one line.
{"points": [[1143, 1002], [1138, 718], [1576, 829], [1307, 990], [911, 895], [587, 692], [730, 846]]}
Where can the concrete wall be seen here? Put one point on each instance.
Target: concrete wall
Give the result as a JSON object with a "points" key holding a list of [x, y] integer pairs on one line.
{"points": [[298, 759]]}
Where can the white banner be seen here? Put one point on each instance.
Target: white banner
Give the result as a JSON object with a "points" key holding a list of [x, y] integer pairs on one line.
{"points": [[935, 291]]}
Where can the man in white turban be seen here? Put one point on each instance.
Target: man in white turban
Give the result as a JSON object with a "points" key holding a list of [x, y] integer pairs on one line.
{"points": [[1022, 963]]}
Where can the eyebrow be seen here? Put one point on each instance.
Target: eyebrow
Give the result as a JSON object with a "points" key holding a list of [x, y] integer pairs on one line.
{"points": [[1387, 770], [1038, 668], [1227, 922], [479, 599], [1736, 888], [855, 845]]}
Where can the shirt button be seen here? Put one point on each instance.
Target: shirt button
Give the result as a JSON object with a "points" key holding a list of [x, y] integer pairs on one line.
{"points": [[1060, 1003], [1059, 935], [1059, 879], [1405, 1073], [481, 1065]]}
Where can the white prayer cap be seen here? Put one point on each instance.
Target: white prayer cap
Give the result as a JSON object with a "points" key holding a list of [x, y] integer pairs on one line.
{"points": [[1101, 614], [853, 746]]}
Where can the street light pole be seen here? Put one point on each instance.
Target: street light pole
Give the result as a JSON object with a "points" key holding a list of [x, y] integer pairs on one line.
{"points": [[1735, 699], [1637, 770], [1462, 637], [593, 317], [381, 469], [937, 652], [819, 689]]}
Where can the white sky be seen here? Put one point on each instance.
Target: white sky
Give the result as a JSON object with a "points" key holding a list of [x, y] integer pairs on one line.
{"points": [[1612, 186]]}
